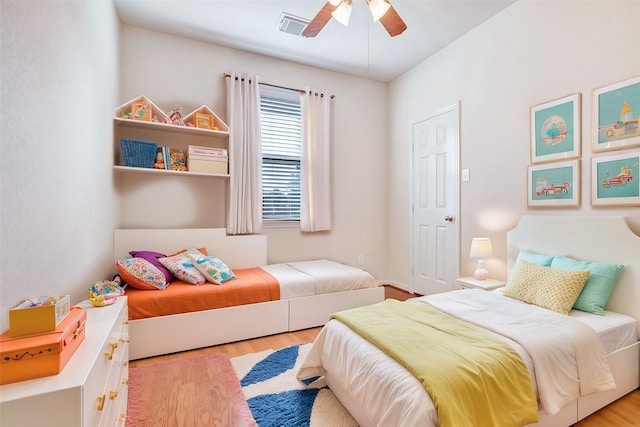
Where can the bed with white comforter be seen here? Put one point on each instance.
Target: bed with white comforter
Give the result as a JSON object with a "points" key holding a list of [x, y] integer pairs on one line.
{"points": [[577, 363], [539, 336]]}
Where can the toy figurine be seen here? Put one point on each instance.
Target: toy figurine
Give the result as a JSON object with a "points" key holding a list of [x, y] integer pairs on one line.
{"points": [[176, 117], [159, 164], [106, 292]]}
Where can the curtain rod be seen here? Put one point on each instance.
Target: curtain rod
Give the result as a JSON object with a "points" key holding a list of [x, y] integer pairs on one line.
{"points": [[226, 75]]}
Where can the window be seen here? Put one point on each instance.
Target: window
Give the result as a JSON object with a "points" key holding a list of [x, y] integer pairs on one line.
{"points": [[281, 126]]}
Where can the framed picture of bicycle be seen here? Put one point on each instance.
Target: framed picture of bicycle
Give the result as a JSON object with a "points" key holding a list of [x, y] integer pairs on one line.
{"points": [[615, 179], [616, 113], [555, 130], [554, 184]]}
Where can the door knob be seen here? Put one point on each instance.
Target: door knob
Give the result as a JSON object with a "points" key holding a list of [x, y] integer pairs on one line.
{"points": [[448, 218]]}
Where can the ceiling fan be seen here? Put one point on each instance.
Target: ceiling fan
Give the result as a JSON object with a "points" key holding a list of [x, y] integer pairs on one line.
{"points": [[341, 9]]}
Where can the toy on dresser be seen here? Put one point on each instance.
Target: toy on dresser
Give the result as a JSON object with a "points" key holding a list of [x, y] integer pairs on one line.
{"points": [[105, 292]]}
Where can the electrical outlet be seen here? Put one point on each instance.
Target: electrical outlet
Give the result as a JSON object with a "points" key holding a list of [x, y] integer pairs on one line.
{"points": [[361, 260]]}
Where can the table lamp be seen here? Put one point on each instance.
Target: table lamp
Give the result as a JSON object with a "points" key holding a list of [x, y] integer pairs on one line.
{"points": [[481, 248]]}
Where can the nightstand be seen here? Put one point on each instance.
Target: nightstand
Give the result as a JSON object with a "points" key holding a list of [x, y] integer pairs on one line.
{"points": [[473, 283]]}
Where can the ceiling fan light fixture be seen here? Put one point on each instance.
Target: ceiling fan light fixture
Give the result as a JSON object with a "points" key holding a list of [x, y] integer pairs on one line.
{"points": [[378, 9], [342, 13]]}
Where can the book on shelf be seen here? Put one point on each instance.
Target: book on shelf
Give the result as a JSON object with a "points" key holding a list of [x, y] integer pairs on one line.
{"points": [[165, 154], [160, 162], [208, 151], [177, 160]]}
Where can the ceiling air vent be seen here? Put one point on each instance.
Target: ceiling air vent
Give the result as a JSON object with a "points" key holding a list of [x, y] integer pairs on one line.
{"points": [[291, 24]]}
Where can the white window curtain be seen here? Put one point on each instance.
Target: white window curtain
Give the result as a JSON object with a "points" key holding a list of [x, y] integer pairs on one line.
{"points": [[315, 191], [245, 198]]}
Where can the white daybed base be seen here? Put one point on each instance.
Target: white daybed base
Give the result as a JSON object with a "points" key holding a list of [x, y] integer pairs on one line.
{"points": [[604, 239], [187, 331]]}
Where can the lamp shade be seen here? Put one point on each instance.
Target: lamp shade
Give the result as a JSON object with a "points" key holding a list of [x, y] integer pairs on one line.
{"points": [[378, 8], [342, 13], [481, 248]]}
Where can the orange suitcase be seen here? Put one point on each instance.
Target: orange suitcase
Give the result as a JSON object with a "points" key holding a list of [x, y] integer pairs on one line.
{"points": [[36, 356]]}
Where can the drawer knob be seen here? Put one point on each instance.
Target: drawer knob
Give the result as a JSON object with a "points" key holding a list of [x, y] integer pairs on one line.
{"points": [[125, 381], [113, 394], [113, 346], [101, 402]]}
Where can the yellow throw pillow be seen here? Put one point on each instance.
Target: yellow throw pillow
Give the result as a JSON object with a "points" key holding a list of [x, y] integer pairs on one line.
{"points": [[546, 287]]}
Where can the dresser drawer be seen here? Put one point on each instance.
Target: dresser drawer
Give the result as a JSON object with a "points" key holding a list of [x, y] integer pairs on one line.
{"points": [[73, 398]]}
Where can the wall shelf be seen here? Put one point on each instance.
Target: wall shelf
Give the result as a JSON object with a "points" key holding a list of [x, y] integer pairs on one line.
{"points": [[168, 127], [148, 171]]}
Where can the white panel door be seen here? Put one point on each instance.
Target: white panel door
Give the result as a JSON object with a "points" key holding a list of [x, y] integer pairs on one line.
{"points": [[435, 202]]}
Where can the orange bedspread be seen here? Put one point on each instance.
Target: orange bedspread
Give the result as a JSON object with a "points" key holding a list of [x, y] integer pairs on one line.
{"points": [[252, 285]]}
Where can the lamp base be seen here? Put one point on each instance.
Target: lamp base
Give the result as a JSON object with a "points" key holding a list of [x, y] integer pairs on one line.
{"points": [[481, 273]]}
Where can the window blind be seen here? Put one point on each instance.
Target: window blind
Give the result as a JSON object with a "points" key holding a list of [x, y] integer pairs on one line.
{"points": [[281, 127]]}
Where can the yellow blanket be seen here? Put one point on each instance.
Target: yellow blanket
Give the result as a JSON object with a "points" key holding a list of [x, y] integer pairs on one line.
{"points": [[473, 378]]}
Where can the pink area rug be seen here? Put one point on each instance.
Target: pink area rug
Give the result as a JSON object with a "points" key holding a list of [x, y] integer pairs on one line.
{"points": [[197, 391]]}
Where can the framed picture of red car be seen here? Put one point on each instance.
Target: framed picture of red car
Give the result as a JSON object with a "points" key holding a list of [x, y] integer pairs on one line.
{"points": [[554, 184], [615, 179]]}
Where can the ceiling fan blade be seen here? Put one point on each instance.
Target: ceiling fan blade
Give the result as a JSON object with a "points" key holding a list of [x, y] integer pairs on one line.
{"points": [[319, 21], [392, 22]]}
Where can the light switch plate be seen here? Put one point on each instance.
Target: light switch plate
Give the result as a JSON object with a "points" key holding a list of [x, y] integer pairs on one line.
{"points": [[465, 175]]}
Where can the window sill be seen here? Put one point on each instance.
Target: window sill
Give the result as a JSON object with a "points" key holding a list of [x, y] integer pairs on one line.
{"points": [[280, 224]]}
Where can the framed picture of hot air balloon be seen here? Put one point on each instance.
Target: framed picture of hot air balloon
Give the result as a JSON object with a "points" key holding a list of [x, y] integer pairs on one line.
{"points": [[555, 130], [616, 113], [615, 179]]}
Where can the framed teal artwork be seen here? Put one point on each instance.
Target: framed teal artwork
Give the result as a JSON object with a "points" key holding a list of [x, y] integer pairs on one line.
{"points": [[555, 129], [554, 184], [615, 179], [616, 112]]}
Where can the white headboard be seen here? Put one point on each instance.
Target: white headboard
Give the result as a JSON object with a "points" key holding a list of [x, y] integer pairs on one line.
{"points": [[590, 238], [244, 251]]}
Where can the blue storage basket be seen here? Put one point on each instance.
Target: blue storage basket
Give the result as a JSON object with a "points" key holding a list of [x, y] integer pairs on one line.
{"points": [[138, 154]]}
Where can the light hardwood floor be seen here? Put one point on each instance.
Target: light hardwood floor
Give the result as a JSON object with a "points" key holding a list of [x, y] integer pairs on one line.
{"points": [[624, 412]]}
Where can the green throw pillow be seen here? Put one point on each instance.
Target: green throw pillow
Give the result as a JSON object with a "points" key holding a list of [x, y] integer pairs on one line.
{"points": [[534, 258], [597, 290]]}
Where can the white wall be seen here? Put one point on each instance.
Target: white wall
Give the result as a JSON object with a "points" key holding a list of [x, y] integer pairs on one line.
{"points": [[58, 204], [531, 53], [172, 70]]}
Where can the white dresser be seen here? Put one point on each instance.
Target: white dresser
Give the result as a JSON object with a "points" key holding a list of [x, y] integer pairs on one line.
{"points": [[90, 391]]}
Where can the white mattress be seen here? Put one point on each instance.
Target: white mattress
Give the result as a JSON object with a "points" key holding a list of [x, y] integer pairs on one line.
{"points": [[307, 278]]}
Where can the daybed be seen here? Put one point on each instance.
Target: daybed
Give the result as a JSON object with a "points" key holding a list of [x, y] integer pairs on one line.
{"points": [[378, 390], [300, 300]]}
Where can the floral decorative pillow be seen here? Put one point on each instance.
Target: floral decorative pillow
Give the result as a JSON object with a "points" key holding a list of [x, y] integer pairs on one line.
{"points": [[182, 267], [153, 257], [212, 268], [141, 274]]}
